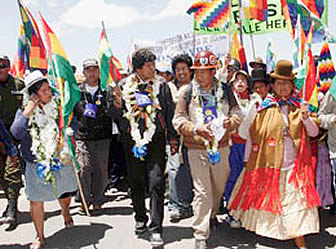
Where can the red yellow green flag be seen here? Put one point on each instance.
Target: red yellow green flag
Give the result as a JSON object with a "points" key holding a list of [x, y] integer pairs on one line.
{"points": [[66, 83], [108, 63]]}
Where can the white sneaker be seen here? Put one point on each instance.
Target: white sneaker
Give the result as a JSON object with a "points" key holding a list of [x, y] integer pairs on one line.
{"points": [[232, 222], [235, 224]]}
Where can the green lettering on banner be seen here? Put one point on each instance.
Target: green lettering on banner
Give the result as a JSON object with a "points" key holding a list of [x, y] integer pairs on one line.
{"points": [[275, 22]]}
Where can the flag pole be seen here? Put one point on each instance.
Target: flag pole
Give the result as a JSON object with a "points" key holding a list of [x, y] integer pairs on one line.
{"points": [[240, 24], [80, 188], [194, 37], [230, 27]]}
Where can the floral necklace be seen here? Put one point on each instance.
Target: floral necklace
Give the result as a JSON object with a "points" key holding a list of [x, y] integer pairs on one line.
{"points": [[216, 124], [135, 112], [44, 132]]}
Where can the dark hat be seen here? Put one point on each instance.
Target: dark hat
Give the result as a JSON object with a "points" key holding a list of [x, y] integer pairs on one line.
{"points": [[283, 70], [90, 62], [258, 63], [259, 74]]}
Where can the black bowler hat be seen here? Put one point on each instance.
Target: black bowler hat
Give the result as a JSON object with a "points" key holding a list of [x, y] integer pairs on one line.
{"points": [[259, 74]]}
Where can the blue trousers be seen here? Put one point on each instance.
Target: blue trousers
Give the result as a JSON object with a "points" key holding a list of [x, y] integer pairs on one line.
{"points": [[236, 160], [180, 181]]}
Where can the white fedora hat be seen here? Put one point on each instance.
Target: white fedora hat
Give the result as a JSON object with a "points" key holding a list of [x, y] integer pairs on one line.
{"points": [[33, 78]]}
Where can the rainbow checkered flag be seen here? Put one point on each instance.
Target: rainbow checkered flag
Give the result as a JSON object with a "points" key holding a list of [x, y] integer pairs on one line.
{"points": [[35, 47], [210, 14], [255, 9], [21, 60], [326, 68]]}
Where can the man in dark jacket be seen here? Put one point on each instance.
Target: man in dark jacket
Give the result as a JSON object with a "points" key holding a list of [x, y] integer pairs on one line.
{"points": [[10, 172], [143, 109], [92, 136]]}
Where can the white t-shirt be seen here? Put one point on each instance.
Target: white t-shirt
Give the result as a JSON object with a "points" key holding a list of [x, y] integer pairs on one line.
{"points": [[91, 89]]}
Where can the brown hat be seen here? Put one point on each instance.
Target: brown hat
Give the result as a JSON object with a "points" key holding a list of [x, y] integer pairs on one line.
{"points": [[283, 70]]}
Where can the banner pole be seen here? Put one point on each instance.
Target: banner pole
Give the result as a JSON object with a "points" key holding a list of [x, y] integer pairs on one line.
{"points": [[253, 47]]}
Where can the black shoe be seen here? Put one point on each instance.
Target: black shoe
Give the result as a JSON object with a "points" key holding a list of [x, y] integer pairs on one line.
{"points": [[176, 216], [200, 244], [10, 214], [156, 240], [140, 227], [12, 226]]}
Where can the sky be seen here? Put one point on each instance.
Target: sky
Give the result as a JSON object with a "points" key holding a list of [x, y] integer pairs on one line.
{"points": [[77, 23]]}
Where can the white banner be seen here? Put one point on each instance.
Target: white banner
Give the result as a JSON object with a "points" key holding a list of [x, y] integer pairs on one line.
{"points": [[166, 49]]}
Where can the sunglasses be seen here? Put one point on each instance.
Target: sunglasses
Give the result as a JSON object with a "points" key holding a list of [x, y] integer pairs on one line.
{"points": [[2, 66], [231, 69]]}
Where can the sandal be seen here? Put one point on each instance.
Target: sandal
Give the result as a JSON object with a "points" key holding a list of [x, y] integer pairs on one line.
{"points": [[37, 244], [69, 222]]}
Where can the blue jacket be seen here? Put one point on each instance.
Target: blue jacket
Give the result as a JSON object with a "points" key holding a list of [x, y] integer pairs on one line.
{"points": [[6, 139]]}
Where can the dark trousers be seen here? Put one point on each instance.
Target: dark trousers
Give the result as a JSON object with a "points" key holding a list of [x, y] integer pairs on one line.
{"points": [[92, 157], [147, 175], [116, 168]]}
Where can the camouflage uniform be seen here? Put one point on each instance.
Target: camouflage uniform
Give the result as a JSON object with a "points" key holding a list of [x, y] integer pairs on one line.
{"points": [[10, 172]]}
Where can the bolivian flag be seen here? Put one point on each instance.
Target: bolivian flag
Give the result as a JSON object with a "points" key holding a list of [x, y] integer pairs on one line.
{"points": [[238, 52], [66, 83], [108, 63]]}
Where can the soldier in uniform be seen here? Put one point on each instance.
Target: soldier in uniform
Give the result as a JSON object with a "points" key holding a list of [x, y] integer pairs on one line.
{"points": [[10, 172]]}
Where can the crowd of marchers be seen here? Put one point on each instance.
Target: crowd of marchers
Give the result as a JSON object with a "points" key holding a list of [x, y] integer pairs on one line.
{"points": [[227, 142]]}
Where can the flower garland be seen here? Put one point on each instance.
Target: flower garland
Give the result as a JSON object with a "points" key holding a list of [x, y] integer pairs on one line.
{"points": [[134, 113], [216, 124], [44, 132]]}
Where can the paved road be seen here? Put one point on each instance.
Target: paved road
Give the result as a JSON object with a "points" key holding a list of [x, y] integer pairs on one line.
{"points": [[114, 230]]}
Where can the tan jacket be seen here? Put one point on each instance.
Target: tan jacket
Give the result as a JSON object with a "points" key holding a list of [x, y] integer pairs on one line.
{"points": [[184, 120], [267, 136]]}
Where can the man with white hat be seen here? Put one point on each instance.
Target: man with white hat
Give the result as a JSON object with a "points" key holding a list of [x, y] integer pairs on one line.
{"points": [[10, 175], [93, 136]]}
